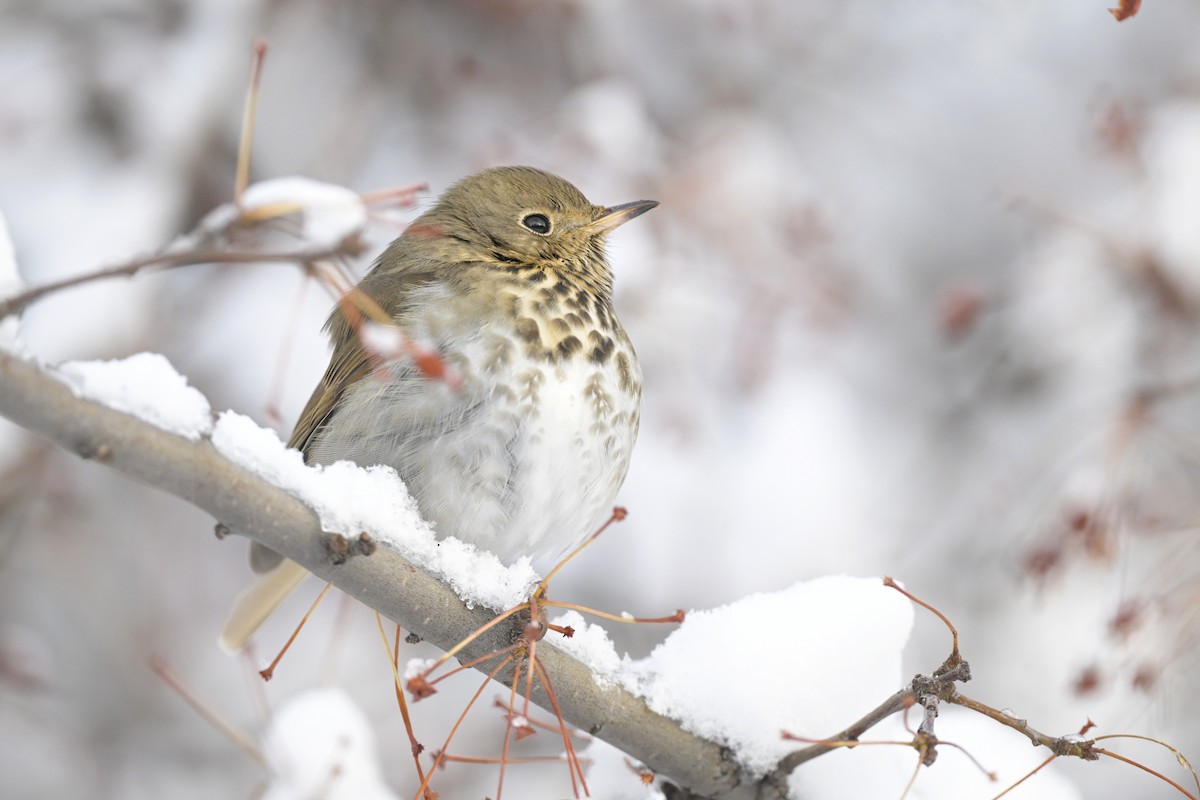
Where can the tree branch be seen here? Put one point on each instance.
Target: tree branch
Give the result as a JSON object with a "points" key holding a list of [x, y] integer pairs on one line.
{"points": [[196, 472]]}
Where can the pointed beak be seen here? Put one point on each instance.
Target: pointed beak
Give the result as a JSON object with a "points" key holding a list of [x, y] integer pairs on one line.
{"points": [[619, 215]]}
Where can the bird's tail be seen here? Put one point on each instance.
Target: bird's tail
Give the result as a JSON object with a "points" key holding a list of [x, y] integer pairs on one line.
{"points": [[258, 602]]}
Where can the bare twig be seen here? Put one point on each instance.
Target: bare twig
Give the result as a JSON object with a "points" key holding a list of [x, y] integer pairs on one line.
{"points": [[896, 703], [240, 739], [1059, 745], [928, 691], [242, 178], [165, 260]]}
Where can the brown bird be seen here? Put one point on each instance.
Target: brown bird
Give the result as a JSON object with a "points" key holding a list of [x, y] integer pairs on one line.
{"points": [[506, 276]]}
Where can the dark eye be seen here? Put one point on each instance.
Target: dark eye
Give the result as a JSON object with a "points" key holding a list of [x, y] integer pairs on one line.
{"points": [[538, 223]]}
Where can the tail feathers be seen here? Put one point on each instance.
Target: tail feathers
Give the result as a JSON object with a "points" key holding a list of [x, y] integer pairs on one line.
{"points": [[258, 602]]}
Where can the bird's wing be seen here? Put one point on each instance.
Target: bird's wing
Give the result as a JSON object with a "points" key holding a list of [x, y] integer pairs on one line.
{"points": [[349, 363]]}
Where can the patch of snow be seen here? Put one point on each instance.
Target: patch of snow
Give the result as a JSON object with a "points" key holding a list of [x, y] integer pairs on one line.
{"points": [[416, 666], [146, 386], [809, 659], [329, 213], [212, 225], [350, 500], [591, 645], [320, 745]]}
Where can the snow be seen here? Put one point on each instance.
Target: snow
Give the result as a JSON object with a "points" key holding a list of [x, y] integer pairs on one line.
{"points": [[214, 224], [809, 659], [350, 500], [146, 386], [320, 745], [591, 645], [416, 666], [329, 213]]}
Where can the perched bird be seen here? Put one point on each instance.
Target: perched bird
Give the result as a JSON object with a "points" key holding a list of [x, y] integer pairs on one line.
{"points": [[506, 276]]}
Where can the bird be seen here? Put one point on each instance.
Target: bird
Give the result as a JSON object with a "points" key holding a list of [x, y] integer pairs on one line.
{"points": [[506, 277]]}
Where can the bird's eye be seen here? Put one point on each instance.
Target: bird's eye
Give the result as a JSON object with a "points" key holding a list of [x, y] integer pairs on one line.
{"points": [[538, 223]]}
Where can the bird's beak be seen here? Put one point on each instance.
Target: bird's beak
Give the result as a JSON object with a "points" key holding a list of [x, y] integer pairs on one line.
{"points": [[619, 215]]}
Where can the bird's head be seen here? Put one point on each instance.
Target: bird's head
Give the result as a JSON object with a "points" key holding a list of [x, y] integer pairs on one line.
{"points": [[513, 216]]}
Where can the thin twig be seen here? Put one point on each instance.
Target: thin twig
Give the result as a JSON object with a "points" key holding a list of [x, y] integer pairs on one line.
{"points": [[1143, 767], [1028, 775], [246, 140], [269, 672], [573, 765], [165, 260], [394, 659], [894, 704], [458, 723], [677, 617], [242, 741], [508, 726], [1059, 745]]}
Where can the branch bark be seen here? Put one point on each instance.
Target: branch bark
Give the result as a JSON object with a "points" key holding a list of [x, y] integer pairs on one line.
{"points": [[32, 397]]}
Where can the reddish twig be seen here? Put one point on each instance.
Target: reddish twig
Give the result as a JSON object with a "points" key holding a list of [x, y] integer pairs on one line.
{"points": [[437, 761], [269, 672], [165, 260], [394, 658], [573, 765], [246, 139], [242, 741]]}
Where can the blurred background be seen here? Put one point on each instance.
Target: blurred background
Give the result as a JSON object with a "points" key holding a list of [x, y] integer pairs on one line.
{"points": [[922, 299]]}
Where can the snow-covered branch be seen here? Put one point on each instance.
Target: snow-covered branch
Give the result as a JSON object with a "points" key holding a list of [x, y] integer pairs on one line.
{"points": [[195, 471]]}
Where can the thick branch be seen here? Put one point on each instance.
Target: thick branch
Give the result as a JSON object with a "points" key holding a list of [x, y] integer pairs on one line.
{"points": [[196, 472]]}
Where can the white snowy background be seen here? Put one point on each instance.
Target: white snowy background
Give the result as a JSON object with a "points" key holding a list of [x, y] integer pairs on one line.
{"points": [[922, 299]]}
